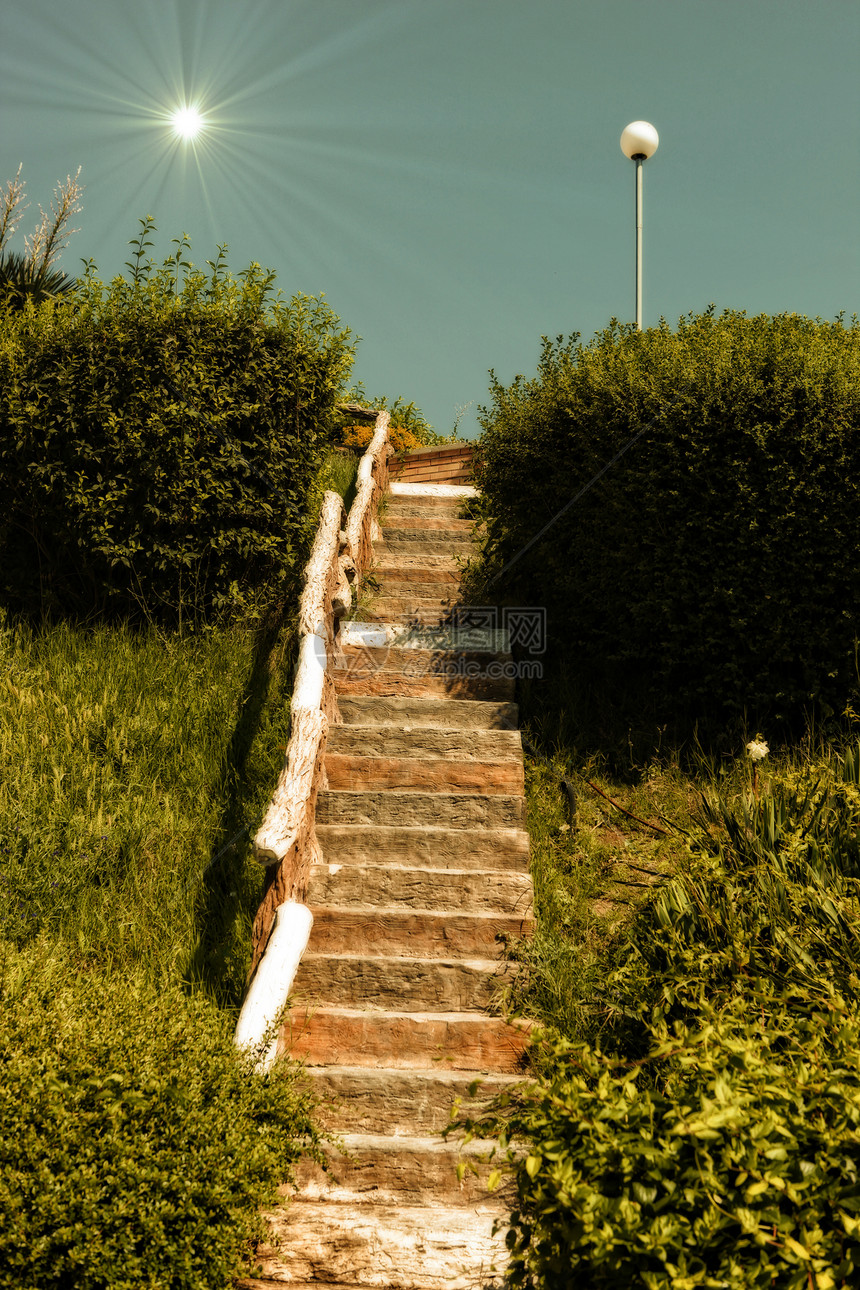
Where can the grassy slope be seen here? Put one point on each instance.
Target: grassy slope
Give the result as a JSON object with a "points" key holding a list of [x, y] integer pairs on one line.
{"points": [[134, 767]]}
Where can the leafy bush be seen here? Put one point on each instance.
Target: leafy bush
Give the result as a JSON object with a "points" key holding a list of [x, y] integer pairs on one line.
{"points": [[712, 560], [712, 1136], [358, 437], [158, 440], [409, 427], [136, 1147], [727, 1156]]}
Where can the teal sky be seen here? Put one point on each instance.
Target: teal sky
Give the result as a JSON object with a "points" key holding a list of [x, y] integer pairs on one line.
{"points": [[448, 172]]}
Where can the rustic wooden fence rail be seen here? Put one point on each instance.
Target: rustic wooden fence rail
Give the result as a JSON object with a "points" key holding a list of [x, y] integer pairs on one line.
{"points": [[286, 842]]}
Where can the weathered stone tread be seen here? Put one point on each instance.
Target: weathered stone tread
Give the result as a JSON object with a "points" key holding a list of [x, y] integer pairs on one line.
{"points": [[379, 884], [362, 1099], [381, 1170], [430, 774], [415, 933], [446, 810], [437, 713], [431, 847], [390, 1247], [408, 741], [391, 981], [471, 1041]]}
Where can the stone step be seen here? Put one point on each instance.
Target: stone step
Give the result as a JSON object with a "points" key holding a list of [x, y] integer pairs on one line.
{"points": [[388, 885], [325, 1246], [447, 507], [380, 1170], [414, 933], [397, 584], [428, 521], [447, 714], [422, 611], [426, 594], [469, 634], [395, 684], [422, 741], [359, 1099], [416, 661], [476, 850], [356, 980], [436, 542], [466, 1041], [442, 810], [428, 774], [426, 566]]}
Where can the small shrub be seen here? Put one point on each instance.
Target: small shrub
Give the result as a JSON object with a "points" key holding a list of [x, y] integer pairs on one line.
{"points": [[409, 427], [358, 437], [727, 1156], [136, 1147]]}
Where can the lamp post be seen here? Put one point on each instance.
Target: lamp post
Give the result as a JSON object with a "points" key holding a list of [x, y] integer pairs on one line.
{"points": [[639, 141]]}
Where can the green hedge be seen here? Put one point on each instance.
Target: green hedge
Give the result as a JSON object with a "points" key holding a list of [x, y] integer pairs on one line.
{"points": [[716, 560], [136, 1148], [158, 440]]}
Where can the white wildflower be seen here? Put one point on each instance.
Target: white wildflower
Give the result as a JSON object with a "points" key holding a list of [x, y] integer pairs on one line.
{"points": [[757, 748]]}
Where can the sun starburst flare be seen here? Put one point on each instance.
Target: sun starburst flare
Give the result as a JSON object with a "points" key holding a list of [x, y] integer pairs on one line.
{"points": [[187, 122]]}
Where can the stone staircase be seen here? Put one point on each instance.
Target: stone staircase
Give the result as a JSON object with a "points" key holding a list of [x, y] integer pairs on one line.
{"points": [[425, 866]]}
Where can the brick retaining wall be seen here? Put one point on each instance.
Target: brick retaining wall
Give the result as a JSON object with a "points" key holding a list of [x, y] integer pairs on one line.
{"points": [[444, 464]]}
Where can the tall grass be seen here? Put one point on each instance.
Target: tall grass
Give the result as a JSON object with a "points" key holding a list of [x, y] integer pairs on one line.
{"points": [[339, 473], [129, 762], [592, 867]]}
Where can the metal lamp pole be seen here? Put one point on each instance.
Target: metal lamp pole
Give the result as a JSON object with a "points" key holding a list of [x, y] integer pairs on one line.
{"points": [[639, 141]]}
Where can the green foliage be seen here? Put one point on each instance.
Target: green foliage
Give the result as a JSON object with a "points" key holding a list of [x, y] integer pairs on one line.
{"points": [[21, 280], [404, 416], [158, 440], [32, 276], [712, 560], [339, 474], [710, 1136], [136, 1146], [768, 897], [726, 1157]]}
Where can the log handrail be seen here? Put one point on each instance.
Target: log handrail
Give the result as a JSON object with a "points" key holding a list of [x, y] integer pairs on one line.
{"points": [[286, 841]]}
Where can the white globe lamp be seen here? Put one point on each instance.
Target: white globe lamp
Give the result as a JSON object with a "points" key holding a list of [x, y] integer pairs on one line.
{"points": [[639, 141]]}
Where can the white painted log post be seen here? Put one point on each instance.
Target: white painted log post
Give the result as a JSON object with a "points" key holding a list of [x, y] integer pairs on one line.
{"points": [[372, 483], [286, 840], [267, 997]]}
